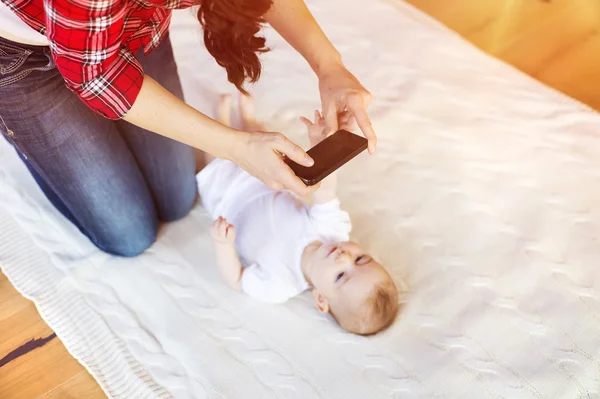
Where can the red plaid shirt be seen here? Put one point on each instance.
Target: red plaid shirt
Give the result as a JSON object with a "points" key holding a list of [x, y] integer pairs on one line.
{"points": [[94, 41]]}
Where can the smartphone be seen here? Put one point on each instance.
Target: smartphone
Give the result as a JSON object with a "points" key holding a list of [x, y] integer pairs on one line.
{"points": [[329, 155]]}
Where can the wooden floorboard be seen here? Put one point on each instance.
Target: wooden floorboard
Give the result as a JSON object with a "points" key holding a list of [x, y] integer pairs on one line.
{"points": [[33, 362], [555, 41]]}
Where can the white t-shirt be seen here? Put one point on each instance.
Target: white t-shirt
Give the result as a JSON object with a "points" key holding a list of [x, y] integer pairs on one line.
{"points": [[13, 28], [272, 228]]}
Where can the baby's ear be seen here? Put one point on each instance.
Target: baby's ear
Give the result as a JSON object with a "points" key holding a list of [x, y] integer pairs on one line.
{"points": [[321, 301]]}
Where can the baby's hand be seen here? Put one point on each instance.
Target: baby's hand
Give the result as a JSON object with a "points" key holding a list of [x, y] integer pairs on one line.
{"points": [[316, 130], [222, 232]]}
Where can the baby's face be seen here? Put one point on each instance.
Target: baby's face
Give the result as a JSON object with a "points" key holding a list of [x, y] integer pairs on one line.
{"points": [[344, 272]]}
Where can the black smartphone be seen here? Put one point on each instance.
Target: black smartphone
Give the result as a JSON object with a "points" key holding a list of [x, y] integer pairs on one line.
{"points": [[329, 155]]}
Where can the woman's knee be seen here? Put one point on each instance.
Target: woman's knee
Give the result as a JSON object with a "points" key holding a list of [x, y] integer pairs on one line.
{"points": [[181, 205], [126, 238]]}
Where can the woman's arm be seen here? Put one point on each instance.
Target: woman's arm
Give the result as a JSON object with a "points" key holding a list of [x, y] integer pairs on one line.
{"points": [[159, 111], [90, 56], [294, 22], [340, 90]]}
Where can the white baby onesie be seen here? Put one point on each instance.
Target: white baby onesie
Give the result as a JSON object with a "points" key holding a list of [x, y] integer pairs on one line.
{"points": [[272, 228]]}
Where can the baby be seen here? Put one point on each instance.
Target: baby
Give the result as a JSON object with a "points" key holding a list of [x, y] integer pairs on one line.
{"points": [[272, 246]]}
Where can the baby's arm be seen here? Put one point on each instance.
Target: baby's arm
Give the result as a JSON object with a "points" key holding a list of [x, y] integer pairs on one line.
{"points": [[317, 133], [328, 190], [223, 235]]}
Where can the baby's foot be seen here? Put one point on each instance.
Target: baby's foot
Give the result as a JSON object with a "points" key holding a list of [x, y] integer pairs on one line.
{"points": [[246, 110], [248, 116], [223, 111]]}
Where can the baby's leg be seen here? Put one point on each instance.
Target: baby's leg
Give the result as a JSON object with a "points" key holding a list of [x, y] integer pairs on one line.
{"points": [[248, 116], [223, 114]]}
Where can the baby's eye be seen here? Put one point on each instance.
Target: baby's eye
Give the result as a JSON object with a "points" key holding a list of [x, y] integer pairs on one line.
{"points": [[339, 276], [362, 259]]}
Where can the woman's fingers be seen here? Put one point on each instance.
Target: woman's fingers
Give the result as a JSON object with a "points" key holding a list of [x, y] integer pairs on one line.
{"points": [[285, 177], [292, 151], [318, 117], [262, 158], [290, 181], [346, 121], [331, 118], [356, 105]]}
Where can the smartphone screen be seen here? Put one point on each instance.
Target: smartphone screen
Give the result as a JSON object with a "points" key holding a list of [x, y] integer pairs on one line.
{"points": [[329, 155]]}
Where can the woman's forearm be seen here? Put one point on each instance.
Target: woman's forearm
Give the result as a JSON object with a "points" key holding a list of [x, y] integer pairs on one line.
{"points": [[159, 111], [294, 22]]}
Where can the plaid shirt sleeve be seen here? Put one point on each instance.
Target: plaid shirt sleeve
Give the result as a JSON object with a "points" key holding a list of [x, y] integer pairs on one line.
{"points": [[86, 43]]}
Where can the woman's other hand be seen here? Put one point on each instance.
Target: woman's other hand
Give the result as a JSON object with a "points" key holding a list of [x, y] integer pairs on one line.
{"points": [[341, 91]]}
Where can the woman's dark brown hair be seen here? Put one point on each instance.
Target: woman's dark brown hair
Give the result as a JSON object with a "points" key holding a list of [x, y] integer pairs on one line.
{"points": [[230, 36]]}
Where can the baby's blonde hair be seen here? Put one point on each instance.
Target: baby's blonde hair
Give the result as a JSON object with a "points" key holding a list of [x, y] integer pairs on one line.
{"points": [[376, 313]]}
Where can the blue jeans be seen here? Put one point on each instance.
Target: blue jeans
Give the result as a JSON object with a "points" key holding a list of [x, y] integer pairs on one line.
{"points": [[113, 180]]}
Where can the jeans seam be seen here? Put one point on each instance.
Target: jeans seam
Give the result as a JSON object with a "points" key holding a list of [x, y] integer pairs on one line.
{"points": [[17, 62], [15, 78], [20, 60], [6, 129]]}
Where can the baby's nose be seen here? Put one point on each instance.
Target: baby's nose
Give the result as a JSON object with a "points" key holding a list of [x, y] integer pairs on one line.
{"points": [[343, 257]]}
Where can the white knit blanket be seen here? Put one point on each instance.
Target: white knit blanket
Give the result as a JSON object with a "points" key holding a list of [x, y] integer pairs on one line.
{"points": [[484, 197]]}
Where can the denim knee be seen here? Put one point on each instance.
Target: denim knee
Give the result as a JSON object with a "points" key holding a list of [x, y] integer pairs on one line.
{"points": [[181, 206], [127, 238]]}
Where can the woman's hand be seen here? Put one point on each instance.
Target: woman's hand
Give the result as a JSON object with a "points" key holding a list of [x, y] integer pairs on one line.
{"points": [[341, 91], [159, 111], [261, 153]]}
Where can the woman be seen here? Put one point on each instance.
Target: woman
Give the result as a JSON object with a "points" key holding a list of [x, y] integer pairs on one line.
{"points": [[90, 99]]}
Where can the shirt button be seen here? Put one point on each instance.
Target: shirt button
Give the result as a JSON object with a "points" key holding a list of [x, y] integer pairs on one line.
{"points": [[11, 133]]}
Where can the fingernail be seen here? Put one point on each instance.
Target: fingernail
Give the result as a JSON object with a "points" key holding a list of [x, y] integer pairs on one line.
{"points": [[309, 161]]}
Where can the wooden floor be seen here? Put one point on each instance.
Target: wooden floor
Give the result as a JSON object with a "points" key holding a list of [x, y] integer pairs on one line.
{"points": [[33, 362], [556, 41]]}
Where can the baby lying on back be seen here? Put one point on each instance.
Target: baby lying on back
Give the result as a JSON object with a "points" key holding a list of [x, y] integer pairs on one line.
{"points": [[273, 246]]}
